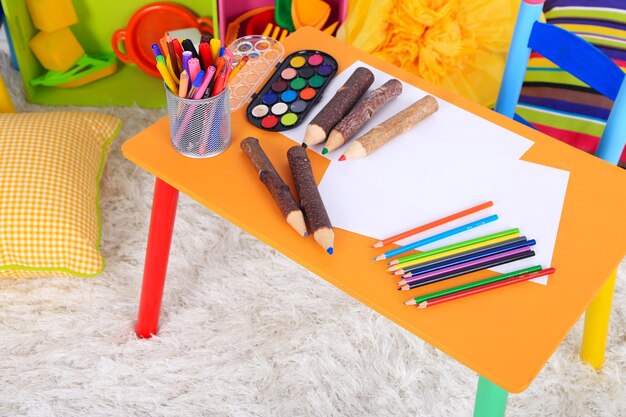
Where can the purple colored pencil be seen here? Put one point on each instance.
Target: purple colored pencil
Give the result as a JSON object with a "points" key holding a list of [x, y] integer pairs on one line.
{"points": [[469, 270], [468, 264]]}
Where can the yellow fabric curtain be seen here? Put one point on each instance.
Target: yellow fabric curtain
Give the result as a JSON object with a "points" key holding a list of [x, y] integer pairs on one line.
{"points": [[458, 44]]}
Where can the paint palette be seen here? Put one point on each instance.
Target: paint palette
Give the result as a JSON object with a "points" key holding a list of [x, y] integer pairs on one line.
{"points": [[263, 53], [292, 91]]}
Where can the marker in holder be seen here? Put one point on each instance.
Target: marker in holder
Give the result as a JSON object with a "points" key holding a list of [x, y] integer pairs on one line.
{"points": [[199, 128]]}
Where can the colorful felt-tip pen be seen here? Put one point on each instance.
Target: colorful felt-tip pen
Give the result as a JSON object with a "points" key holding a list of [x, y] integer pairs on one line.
{"points": [[166, 74], [196, 84], [186, 57], [208, 76], [156, 50]]}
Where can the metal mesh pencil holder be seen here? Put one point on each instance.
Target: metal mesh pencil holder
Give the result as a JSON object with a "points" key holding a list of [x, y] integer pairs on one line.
{"points": [[199, 128]]}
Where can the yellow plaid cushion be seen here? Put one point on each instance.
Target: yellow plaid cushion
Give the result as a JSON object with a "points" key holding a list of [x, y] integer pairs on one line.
{"points": [[50, 169]]}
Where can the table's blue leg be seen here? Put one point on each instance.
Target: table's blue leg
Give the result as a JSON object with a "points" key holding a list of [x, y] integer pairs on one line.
{"points": [[490, 399]]}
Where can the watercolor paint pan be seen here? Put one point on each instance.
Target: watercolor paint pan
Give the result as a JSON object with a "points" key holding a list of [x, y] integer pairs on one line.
{"points": [[294, 88], [264, 54]]}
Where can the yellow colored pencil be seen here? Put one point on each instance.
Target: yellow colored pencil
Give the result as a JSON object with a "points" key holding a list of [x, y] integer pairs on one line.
{"points": [[407, 264], [238, 67]]}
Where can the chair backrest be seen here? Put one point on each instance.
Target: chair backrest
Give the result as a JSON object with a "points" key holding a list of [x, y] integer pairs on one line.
{"points": [[574, 55]]}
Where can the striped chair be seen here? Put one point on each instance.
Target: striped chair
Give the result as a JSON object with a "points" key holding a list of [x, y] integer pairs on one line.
{"points": [[557, 103]]}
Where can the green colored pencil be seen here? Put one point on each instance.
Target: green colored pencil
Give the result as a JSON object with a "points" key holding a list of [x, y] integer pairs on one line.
{"points": [[470, 285], [453, 246]]}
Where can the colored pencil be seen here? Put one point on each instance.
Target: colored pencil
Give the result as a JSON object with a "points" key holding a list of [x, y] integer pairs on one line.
{"points": [[485, 288], [462, 266], [439, 236], [238, 67], [448, 248], [478, 255], [470, 285], [476, 268], [172, 55], [399, 269], [455, 254], [432, 224], [164, 50]]}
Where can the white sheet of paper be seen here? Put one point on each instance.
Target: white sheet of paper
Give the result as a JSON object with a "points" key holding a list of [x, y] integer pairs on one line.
{"points": [[460, 135], [450, 161]]}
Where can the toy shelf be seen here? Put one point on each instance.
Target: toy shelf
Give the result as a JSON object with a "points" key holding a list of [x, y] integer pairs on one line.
{"points": [[97, 20]]}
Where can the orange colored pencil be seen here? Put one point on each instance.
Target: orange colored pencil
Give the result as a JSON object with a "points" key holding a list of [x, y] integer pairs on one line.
{"points": [[484, 288], [432, 224]]}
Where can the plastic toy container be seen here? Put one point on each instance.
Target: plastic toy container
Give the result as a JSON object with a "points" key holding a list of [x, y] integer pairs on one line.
{"points": [[97, 20]]}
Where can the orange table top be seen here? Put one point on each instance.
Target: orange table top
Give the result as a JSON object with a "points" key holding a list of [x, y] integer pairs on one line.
{"points": [[505, 335]]}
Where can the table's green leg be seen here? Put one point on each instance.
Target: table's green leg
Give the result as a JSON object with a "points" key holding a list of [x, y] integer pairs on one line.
{"points": [[490, 399]]}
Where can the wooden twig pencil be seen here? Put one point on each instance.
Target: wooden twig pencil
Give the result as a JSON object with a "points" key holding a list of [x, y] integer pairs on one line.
{"points": [[310, 199], [338, 106], [391, 128], [275, 185], [361, 113]]}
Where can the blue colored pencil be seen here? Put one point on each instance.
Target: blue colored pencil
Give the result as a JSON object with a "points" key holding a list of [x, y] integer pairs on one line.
{"points": [[458, 255], [472, 257], [431, 239]]}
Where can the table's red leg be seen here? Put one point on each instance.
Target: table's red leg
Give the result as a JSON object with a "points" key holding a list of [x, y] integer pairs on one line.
{"points": [[164, 204]]}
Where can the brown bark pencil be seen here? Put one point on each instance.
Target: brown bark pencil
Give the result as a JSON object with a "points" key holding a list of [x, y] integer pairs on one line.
{"points": [[391, 128], [310, 199], [332, 113], [275, 185], [361, 113]]}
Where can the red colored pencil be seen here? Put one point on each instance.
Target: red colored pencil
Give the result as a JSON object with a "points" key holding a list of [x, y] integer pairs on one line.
{"points": [[432, 224], [485, 288]]}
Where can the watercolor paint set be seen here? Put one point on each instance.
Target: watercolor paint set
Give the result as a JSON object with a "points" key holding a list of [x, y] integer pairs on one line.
{"points": [[295, 87]]}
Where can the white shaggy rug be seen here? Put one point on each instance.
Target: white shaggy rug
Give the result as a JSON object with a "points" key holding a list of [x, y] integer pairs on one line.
{"points": [[244, 332]]}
